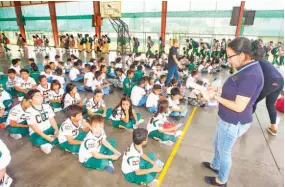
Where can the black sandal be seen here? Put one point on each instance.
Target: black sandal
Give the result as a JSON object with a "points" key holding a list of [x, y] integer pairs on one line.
{"points": [[212, 181], [208, 166]]}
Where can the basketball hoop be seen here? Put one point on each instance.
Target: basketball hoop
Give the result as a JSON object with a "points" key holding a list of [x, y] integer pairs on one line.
{"points": [[110, 9]]}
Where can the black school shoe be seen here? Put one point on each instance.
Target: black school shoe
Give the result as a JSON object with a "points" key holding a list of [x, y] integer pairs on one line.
{"points": [[212, 181], [208, 166]]}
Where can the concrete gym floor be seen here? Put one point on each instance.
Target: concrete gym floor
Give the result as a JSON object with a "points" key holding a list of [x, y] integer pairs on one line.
{"points": [[257, 156]]}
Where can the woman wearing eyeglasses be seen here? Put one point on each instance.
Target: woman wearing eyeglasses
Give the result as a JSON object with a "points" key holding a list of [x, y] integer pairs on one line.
{"points": [[236, 99]]}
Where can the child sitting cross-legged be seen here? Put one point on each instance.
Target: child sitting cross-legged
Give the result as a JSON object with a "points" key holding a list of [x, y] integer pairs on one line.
{"points": [[153, 98], [162, 130], [137, 167], [174, 104], [128, 84], [56, 93], [24, 84], [96, 152], [138, 95], [96, 105], [73, 130], [124, 116], [99, 83]]}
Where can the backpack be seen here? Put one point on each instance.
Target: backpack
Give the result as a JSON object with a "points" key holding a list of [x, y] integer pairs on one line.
{"points": [[47, 41], [280, 104], [274, 50], [208, 45], [195, 44]]}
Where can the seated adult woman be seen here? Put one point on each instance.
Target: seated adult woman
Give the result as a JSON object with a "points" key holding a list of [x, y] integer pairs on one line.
{"points": [[238, 95]]}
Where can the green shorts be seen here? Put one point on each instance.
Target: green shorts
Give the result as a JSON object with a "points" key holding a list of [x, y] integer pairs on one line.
{"points": [[161, 136], [55, 105], [100, 164], [38, 140], [142, 179], [129, 125], [18, 130], [73, 148]]}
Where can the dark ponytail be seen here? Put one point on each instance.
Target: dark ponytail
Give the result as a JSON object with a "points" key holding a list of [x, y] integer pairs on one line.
{"points": [[162, 107], [69, 88]]}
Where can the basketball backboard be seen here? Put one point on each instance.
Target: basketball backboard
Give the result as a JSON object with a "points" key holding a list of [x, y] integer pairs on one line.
{"points": [[110, 9]]}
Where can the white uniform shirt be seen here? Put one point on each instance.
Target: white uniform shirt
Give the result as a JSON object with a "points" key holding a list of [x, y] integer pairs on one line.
{"points": [[94, 107], [56, 96], [173, 104], [16, 114], [17, 69], [157, 122], [68, 129], [89, 76], [45, 92], [11, 83], [46, 74], [5, 155], [152, 100], [96, 83], [131, 159], [60, 79], [26, 85], [73, 73], [137, 94], [90, 144], [68, 100], [40, 118]]}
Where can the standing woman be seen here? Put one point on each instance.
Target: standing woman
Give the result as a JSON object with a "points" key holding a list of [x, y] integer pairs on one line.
{"points": [[149, 46], [273, 85], [79, 46], [5, 41], [72, 43], [21, 42], [238, 96], [87, 43]]}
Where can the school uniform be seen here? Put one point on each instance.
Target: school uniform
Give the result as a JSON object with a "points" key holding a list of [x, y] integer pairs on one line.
{"points": [[26, 85], [73, 75], [202, 69], [157, 125], [48, 76], [111, 72], [138, 96], [90, 77], [97, 107], [69, 129], [148, 88], [5, 157], [18, 115], [56, 96], [119, 65], [96, 83], [10, 85], [45, 91], [138, 75], [4, 117], [93, 144], [174, 105], [151, 102], [40, 118], [68, 100], [128, 86], [60, 79], [118, 114], [6, 99], [132, 161]]}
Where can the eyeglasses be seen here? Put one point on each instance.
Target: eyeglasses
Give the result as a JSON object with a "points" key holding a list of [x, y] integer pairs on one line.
{"points": [[233, 56]]}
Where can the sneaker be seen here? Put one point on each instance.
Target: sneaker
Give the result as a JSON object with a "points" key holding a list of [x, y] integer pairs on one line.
{"points": [[16, 136], [140, 121], [178, 134], [6, 181], [46, 148], [272, 131], [154, 183], [110, 168], [167, 143]]}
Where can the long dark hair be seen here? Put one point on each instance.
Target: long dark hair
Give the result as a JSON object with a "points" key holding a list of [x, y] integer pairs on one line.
{"points": [[162, 107], [241, 45], [125, 98], [68, 89]]}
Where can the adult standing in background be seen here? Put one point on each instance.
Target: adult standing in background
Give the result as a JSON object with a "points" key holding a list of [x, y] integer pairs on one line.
{"points": [[173, 63], [273, 86], [238, 96]]}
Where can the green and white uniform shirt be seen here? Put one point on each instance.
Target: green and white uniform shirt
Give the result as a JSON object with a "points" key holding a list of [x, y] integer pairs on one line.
{"points": [[68, 100], [16, 114], [45, 92], [90, 144], [95, 106], [56, 96], [68, 129], [5, 156], [131, 159], [40, 118], [157, 122]]}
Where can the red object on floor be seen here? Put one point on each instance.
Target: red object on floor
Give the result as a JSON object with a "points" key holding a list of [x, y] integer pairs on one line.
{"points": [[168, 126], [280, 104], [2, 125]]}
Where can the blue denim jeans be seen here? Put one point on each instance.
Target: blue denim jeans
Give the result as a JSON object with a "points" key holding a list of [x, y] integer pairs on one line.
{"points": [[106, 90], [142, 101], [225, 138], [77, 79], [172, 72], [152, 109]]}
